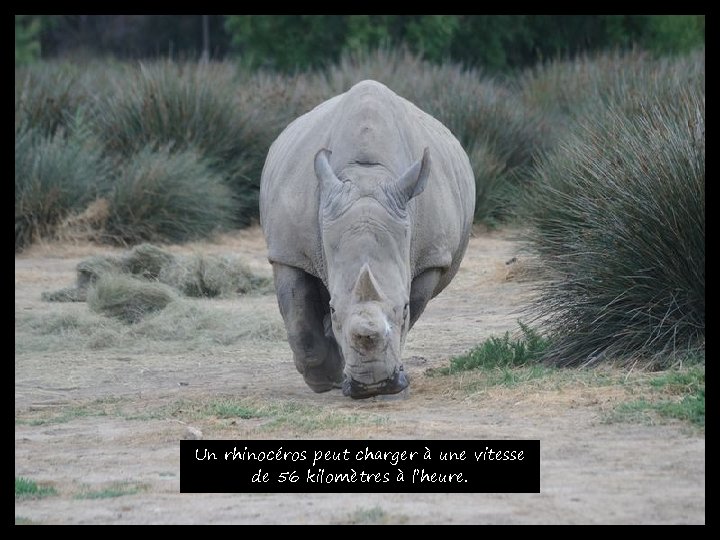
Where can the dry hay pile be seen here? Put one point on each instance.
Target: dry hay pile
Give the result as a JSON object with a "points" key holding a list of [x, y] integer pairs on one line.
{"points": [[147, 279], [127, 298]]}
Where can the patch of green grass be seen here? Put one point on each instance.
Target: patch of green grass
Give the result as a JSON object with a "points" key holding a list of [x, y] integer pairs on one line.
{"points": [[284, 415], [20, 520], [229, 409], [373, 515], [305, 418], [28, 489], [65, 416], [681, 382], [501, 352], [275, 415], [98, 407], [110, 492], [675, 394]]}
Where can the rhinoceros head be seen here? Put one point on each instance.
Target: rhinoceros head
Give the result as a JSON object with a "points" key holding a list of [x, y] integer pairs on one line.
{"points": [[366, 232]]}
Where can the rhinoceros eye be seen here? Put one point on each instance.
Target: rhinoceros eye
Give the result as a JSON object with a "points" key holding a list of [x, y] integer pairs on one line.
{"points": [[406, 310], [332, 310]]}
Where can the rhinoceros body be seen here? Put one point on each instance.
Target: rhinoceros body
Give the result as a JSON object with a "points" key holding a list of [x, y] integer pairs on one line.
{"points": [[366, 203]]}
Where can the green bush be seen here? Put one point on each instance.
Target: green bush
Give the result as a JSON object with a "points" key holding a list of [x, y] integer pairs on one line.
{"points": [[167, 197], [54, 176], [191, 106], [619, 216]]}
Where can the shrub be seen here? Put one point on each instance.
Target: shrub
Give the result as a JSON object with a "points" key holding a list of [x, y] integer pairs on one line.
{"points": [[189, 106], [619, 216], [563, 90], [54, 176], [45, 98], [167, 197]]}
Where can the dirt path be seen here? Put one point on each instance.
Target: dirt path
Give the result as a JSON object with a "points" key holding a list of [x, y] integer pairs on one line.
{"points": [[592, 471]]}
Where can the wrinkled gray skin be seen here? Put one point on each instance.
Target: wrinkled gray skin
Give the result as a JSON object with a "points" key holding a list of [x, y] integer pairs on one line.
{"points": [[366, 203]]}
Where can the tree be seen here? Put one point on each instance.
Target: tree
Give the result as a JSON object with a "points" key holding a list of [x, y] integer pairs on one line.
{"points": [[27, 39]]}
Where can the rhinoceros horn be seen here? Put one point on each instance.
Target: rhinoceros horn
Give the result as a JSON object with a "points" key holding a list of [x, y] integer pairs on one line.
{"points": [[324, 172], [366, 290], [412, 182]]}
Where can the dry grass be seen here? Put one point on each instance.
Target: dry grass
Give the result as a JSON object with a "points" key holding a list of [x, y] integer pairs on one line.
{"points": [[196, 275], [128, 299], [213, 275], [182, 326]]}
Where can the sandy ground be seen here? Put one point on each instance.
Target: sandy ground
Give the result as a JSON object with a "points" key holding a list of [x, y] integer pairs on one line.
{"points": [[592, 471]]}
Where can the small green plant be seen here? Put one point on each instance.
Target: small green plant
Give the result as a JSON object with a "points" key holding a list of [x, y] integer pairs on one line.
{"points": [[29, 489], [501, 352], [115, 490], [373, 515]]}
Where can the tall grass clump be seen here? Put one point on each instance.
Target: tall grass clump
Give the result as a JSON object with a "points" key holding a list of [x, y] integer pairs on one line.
{"points": [[55, 175], [191, 106], [47, 96], [619, 221], [167, 196], [564, 90], [500, 134]]}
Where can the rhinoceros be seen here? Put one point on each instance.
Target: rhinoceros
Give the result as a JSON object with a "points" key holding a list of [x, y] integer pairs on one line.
{"points": [[366, 204]]}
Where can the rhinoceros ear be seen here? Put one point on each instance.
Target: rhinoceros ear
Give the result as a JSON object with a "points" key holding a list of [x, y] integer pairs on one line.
{"points": [[366, 290], [323, 170], [412, 182]]}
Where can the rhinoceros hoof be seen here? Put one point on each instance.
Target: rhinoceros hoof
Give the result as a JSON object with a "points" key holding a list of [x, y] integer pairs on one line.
{"points": [[319, 381]]}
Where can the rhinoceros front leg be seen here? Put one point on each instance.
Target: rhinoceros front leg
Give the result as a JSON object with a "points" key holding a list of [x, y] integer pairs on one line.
{"points": [[421, 291], [304, 306]]}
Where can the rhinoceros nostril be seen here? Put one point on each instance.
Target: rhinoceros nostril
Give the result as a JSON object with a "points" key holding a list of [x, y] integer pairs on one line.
{"points": [[365, 340]]}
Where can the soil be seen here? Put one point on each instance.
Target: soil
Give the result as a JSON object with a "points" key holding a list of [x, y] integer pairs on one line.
{"points": [[592, 471]]}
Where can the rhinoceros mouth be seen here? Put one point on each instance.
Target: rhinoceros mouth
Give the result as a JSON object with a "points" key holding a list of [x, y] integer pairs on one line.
{"points": [[357, 390]]}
